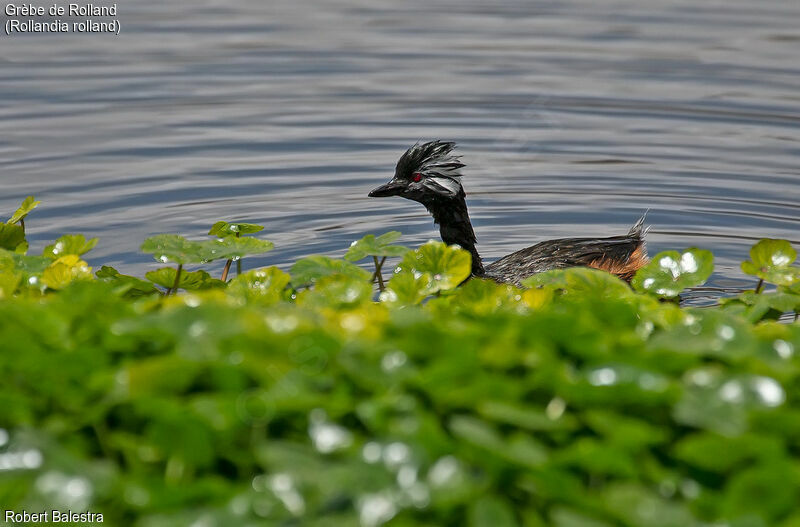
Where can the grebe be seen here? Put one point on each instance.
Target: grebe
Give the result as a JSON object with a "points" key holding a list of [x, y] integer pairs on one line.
{"points": [[429, 173]]}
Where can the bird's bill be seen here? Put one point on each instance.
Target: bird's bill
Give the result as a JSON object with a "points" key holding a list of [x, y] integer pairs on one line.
{"points": [[392, 188]]}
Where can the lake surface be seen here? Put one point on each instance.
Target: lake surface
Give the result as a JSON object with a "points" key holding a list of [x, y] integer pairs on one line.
{"points": [[573, 117]]}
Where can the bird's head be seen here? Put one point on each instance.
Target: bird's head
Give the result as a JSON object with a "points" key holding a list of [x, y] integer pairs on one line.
{"points": [[427, 173]]}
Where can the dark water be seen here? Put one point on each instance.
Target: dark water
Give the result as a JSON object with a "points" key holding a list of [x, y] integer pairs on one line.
{"points": [[573, 118]]}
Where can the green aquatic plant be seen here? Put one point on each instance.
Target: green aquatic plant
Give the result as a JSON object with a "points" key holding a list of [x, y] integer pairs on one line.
{"points": [[12, 233], [238, 249], [579, 281], [28, 204], [307, 271], [436, 267], [65, 270], [168, 278], [373, 246], [297, 398], [260, 286], [234, 248], [771, 261], [12, 237], [222, 229], [671, 272], [76, 244], [174, 248], [126, 285]]}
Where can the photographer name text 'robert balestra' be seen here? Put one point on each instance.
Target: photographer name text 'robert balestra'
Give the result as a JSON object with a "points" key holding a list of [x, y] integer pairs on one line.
{"points": [[52, 516]]}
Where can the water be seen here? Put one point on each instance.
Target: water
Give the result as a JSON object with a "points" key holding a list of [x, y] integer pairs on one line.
{"points": [[573, 118]]}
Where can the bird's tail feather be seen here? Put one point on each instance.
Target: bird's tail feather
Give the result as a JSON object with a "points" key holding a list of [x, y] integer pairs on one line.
{"points": [[639, 230]]}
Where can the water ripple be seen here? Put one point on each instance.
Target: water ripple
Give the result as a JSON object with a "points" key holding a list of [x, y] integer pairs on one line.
{"points": [[573, 118]]}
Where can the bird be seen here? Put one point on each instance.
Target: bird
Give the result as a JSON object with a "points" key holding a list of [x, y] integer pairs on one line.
{"points": [[430, 173]]}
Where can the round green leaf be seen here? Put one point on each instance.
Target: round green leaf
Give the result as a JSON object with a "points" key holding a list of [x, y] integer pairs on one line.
{"points": [[580, 280], [128, 285], [765, 304], [264, 286], [477, 432], [174, 248], [76, 244], [404, 289], [339, 292], [28, 204], [771, 260], [671, 272], [769, 489], [769, 252], [491, 511], [233, 248], [441, 266], [11, 236], [525, 416], [369, 245], [9, 277], [638, 505], [781, 301], [65, 270], [28, 265], [223, 228], [310, 269], [706, 333], [190, 281], [723, 403], [479, 297], [721, 454]]}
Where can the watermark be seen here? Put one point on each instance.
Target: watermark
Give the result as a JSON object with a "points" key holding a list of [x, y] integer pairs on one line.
{"points": [[57, 18], [51, 516]]}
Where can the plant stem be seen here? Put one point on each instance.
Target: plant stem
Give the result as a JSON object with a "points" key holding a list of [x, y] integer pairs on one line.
{"points": [[760, 285], [238, 263], [226, 269], [177, 281], [378, 274], [22, 224]]}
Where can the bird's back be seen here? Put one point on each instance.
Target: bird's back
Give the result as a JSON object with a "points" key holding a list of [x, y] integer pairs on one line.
{"points": [[619, 255]]}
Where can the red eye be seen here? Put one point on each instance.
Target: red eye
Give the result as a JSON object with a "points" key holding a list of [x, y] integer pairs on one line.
{"points": [[417, 177]]}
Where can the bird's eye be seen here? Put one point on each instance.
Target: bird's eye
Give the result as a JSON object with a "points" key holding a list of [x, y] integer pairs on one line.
{"points": [[417, 177]]}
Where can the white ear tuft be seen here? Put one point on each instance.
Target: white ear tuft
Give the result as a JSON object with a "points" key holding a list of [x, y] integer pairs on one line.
{"points": [[446, 185]]}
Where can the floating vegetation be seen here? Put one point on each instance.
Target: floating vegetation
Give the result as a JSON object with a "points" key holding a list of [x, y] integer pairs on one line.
{"points": [[332, 395]]}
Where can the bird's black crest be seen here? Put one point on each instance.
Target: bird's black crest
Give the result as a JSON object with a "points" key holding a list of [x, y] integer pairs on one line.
{"points": [[434, 158]]}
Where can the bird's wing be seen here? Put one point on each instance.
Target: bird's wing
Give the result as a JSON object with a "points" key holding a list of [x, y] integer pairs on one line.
{"points": [[612, 253]]}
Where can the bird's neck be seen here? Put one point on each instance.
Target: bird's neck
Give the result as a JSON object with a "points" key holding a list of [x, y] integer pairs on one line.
{"points": [[455, 227]]}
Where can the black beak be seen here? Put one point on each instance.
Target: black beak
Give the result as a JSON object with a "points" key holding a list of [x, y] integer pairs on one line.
{"points": [[392, 188]]}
